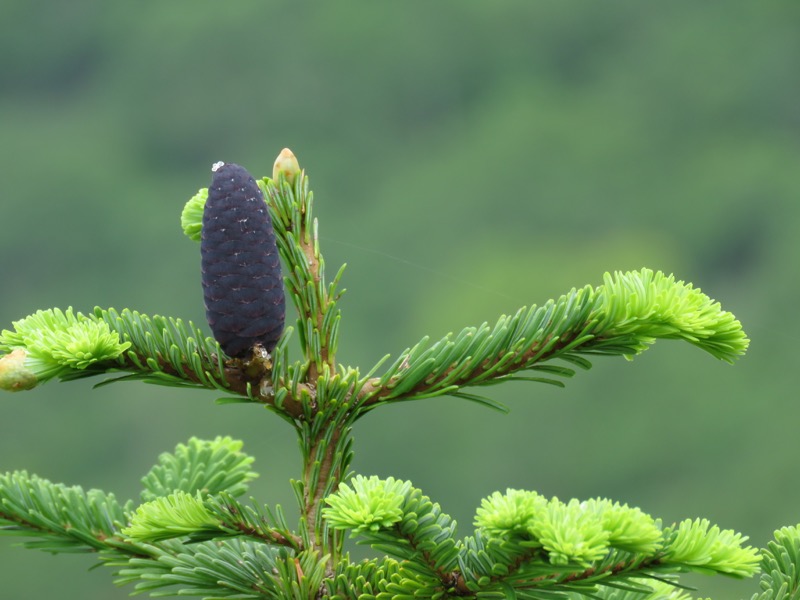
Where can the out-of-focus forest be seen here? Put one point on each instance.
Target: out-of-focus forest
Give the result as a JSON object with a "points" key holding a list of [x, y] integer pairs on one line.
{"points": [[467, 158]]}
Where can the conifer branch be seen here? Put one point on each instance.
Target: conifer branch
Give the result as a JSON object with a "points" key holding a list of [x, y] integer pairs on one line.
{"points": [[622, 317], [231, 568], [208, 467], [527, 543], [166, 351], [261, 524], [291, 206], [199, 518], [780, 566], [191, 536], [358, 581], [62, 518], [67, 519]]}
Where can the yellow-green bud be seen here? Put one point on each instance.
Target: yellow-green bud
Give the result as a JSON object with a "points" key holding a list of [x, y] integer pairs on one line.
{"points": [[14, 375], [287, 164]]}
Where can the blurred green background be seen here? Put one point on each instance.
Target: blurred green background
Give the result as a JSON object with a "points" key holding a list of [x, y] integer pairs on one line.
{"points": [[468, 157]]}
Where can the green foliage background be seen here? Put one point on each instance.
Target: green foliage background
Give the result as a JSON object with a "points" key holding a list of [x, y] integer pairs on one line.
{"points": [[467, 158]]}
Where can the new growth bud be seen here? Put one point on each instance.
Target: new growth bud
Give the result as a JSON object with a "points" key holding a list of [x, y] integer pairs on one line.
{"points": [[15, 376], [287, 164], [241, 270]]}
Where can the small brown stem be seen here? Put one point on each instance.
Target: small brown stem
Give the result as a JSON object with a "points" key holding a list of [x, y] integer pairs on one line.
{"points": [[270, 537]]}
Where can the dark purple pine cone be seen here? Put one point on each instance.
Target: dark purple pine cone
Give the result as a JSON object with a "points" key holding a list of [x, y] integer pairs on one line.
{"points": [[242, 283]]}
